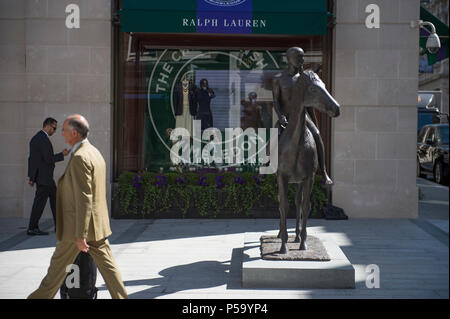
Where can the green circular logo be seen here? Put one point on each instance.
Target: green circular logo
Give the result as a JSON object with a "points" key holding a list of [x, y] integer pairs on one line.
{"points": [[225, 3]]}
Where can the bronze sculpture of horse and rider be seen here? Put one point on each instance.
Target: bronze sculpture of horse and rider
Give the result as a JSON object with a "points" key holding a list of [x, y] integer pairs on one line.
{"points": [[296, 93]]}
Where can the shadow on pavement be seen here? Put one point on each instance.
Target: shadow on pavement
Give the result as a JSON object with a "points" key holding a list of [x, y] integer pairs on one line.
{"points": [[198, 275]]}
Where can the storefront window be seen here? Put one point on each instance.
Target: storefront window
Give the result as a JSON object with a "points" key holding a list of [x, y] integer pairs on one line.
{"points": [[220, 88], [196, 88]]}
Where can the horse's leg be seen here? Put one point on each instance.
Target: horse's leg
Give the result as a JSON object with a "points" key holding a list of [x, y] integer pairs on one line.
{"points": [[279, 201], [306, 207], [298, 203], [284, 206]]}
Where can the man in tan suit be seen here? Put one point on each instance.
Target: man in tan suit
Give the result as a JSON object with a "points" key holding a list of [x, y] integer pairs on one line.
{"points": [[82, 222]]}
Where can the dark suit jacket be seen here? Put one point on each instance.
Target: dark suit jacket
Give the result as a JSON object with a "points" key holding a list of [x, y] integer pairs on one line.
{"points": [[41, 161]]}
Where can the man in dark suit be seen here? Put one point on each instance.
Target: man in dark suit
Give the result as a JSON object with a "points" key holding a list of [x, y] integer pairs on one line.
{"points": [[41, 164]]}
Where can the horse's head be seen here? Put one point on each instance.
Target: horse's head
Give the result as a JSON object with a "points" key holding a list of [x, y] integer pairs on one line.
{"points": [[316, 95]]}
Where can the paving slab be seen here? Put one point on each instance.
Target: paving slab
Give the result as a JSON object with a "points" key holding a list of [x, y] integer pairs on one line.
{"points": [[202, 259]]}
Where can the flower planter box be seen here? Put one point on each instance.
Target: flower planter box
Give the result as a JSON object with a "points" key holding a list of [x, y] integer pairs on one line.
{"points": [[242, 199]]}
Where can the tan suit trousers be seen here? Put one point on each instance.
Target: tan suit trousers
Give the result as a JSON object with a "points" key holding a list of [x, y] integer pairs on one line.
{"points": [[65, 254]]}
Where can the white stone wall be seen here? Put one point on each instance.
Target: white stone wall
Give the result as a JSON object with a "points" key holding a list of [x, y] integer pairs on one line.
{"points": [[375, 79], [49, 70]]}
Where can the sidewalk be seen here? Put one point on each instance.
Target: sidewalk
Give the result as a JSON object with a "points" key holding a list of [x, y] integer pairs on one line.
{"points": [[202, 259]]}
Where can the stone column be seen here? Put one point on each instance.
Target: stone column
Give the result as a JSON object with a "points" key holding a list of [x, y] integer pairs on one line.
{"points": [[12, 104], [375, 79], [50, 70]]}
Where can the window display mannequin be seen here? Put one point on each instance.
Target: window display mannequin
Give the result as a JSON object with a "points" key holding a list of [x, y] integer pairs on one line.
{"points": [[203, 96], [251, 113], [184, 105]]}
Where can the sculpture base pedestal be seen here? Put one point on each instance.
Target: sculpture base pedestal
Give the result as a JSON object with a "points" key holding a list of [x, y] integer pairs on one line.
{"points": [[337, 272]]}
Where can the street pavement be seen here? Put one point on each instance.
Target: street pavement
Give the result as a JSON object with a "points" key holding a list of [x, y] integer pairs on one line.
{"points": [[202, 258]]}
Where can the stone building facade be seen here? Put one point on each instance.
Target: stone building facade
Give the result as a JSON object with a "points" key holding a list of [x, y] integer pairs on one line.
{"points": [[46, 70], [49, 70], [375, 80]]}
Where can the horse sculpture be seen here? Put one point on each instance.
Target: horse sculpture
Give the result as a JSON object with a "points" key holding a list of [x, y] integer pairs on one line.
{"points": [[297, 155]]}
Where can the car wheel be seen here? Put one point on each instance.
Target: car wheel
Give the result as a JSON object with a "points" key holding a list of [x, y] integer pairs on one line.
{"points": [[418, 170], [437, 172]]}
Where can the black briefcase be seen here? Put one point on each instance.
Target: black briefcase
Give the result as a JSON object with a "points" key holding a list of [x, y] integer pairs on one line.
{"points": [[88, 277]]}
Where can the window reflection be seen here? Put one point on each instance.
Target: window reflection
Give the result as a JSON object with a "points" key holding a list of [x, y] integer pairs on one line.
{"points": [[162, 87]]}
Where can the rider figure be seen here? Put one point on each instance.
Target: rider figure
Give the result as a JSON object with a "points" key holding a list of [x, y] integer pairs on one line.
{"points": [[283, 86]]}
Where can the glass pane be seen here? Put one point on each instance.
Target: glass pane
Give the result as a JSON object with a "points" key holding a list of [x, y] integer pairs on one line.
{"points": [[237, 94], [443, 133], [430, 137]]}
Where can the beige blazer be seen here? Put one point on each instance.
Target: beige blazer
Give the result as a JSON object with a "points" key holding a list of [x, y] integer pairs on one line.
{"points": [[81, 209]]}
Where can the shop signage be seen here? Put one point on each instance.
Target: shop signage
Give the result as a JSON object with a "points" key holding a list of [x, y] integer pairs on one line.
{"points": [[224, 23], [301, 17]]}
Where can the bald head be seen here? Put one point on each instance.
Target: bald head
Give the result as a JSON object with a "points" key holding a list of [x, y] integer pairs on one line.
{"points": [[295, 57], [78, 123], [295, 51], [75, 129]]}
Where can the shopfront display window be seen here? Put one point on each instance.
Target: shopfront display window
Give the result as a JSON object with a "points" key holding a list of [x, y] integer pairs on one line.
{"points": [[221, 89], [160, 90]]}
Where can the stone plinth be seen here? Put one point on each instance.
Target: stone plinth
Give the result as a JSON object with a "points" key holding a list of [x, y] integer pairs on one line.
{"points": [[270, 249], [338, 272]]}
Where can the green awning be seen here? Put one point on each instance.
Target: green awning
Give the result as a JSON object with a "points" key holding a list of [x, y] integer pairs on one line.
{"points": [[442, 32], [299, 17]]}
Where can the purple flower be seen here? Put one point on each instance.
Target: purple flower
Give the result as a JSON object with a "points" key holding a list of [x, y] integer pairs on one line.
{"points": [[239, 180], [219, 182], [137, 180], [202, 181], [181, 181], [161, 181], [257, 179]]}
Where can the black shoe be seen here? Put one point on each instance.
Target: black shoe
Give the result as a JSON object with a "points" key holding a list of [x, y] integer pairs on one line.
{"points": [[63, 292], [36, 232]]}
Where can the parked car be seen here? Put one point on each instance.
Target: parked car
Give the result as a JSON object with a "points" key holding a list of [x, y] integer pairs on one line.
{"points": [[432, 152]]}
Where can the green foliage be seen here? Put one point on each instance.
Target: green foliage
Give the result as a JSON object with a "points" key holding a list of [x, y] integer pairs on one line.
{"points": [[205, 200], [180, 197], [209, 195], [241, 199], [127, 193], [229, 177], [318, 197]]}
